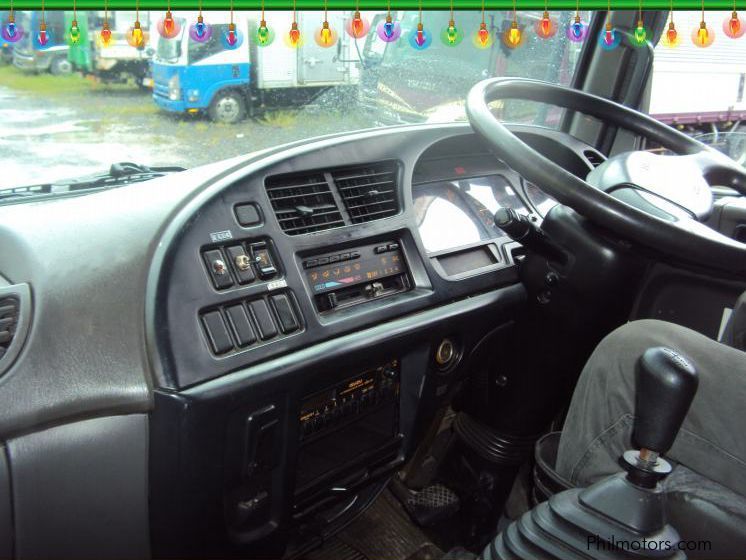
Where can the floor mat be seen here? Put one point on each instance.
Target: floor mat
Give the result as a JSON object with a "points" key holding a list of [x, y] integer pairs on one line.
{"points": [[383, 532]]}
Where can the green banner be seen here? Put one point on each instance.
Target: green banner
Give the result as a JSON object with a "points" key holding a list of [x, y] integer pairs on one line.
{"points": [[371, 4]]}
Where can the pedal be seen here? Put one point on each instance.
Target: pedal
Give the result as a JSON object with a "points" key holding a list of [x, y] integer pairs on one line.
{"points": [[432, 504]]}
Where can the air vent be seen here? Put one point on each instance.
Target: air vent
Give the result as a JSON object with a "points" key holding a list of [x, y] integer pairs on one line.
{"points": [[303, 203], [8, 322], [369, 192], [594, 158]]}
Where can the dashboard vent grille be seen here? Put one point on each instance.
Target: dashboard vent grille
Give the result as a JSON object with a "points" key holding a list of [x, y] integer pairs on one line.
{"points": [[303, 203], [8, 322], [594, 158], [369, 192]]}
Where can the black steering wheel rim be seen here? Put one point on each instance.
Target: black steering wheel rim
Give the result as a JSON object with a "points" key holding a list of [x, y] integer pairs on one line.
{"points": [[691, 242]]}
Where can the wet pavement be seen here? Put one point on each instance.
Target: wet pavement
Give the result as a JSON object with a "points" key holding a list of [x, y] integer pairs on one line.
{"points": [[45, 138]]}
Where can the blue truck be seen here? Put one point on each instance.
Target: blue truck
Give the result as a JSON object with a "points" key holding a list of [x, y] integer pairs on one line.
{"points": [[228, 84]]}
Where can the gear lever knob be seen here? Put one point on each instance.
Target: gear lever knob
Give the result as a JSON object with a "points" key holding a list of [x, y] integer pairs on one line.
{"points": [[666, 384]]}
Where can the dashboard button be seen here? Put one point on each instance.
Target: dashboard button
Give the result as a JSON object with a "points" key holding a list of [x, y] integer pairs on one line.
{"points": [[247, 215], [333, 259], [310, 263], [218, 270], [264, 320], [323, 260], [241, 325], [241, 264], [393, 246], [344, 257], [381, 249], [355, 255], [285, 313], [217, 332], [263, 260]]}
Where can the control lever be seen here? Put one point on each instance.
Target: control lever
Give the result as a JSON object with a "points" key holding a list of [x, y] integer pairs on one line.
{"points": [[666, 384], [519, 228]]}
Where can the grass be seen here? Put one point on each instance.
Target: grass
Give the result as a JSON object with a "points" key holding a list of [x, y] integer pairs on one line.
{"points": [[43, 84]]}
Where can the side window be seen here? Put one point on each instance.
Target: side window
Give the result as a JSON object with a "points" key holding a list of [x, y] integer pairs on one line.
{"points": [[200, 51]]}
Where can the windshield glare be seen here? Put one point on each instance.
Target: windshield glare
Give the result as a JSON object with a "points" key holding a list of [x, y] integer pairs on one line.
{"points": [[76, 109]]}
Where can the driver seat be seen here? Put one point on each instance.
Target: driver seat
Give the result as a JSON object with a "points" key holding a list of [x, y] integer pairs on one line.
{"points": [[701, 509]]}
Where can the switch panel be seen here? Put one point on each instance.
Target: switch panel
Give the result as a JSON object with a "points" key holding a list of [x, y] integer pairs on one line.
{"points": [[240, 262], [250, 323]]}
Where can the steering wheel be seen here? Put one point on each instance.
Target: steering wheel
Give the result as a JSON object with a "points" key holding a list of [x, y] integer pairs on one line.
{"points": [[658, 201]]}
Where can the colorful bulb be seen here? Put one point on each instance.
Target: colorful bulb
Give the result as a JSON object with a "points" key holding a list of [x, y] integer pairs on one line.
{"points": [[357, 25], [672, 36], [11, 31], [74, 33], [451, 33], [232, 37], [546, 27], [325, 37], [388, 27], [420, 39], [577, 30], [262, 34], [483, 35], [168, 27], [200, 31], [420, 36], [135, 36], [512, 36], [640, 33], [388, 31], [168, 23], [326, 33], [703, 36], [42, 37], [294, 34], [105, 35], [733, 26], [609, 39]]}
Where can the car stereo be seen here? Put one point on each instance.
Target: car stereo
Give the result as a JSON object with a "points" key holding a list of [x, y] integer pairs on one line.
{"points": [[344, 278]]}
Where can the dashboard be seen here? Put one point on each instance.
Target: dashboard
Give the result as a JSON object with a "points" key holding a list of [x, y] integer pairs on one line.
{"points": [[272, 336]]}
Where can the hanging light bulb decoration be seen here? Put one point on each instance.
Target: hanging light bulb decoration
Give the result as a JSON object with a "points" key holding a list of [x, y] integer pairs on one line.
{"points": [[639, 37], [135, 35], [609, 38], [419, 38], [43, 37], [577, 30], [264, 35], [232, 37], [482, 38], [512, 36], [451, 35], [325, 36], [703, 36], [670, 38], [73, 34], [388, 30], [293, 38], [199, 31], [168, 27], [733, 26], [11, 32], [546, 27], [358, 26]]}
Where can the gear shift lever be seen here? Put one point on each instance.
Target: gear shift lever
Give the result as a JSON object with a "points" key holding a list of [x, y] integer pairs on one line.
{"points": [[583, 523], [666, 384]]}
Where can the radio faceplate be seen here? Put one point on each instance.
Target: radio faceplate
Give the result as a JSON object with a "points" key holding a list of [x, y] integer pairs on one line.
{"points": [[349, 422], [349, 277]]}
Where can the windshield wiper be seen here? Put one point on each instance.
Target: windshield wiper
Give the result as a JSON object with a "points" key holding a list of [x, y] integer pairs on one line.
{"points": [[120, 174]]}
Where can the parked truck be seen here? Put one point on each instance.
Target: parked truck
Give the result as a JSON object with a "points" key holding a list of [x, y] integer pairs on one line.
{"points": [[117, 62], [228, 84], [53, 57]]}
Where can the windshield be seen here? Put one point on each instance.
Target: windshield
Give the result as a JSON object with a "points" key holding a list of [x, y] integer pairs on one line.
{"points": [[187, 100]]}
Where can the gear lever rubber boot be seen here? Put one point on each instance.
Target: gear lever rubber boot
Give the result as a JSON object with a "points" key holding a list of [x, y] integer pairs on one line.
{"points": [[622, 516]]}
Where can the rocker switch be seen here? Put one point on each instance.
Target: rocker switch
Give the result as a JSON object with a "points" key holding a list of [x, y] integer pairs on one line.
{"points": [[263, 260]]}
